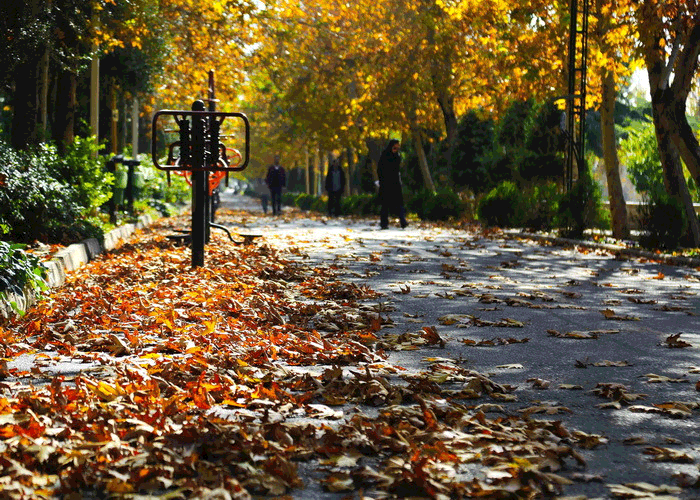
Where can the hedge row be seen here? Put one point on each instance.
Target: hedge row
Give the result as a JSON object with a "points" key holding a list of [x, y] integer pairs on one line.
{"points": [[441, 205]]}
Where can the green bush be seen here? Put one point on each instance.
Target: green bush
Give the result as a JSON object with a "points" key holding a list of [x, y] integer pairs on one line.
{"points": [[304, 201], [581, 208], [541, 205], [439, 205], [288, 198], [81, 168], [503, 206], [18, 271], [664, 222], [155, 189], [640, 153], [33, 204], [360, 204], [319, 203]]}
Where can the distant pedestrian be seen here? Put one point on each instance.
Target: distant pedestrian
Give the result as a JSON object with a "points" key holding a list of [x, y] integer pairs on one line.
{"points": [[390, 194], [262, 190], [335, 186], [276, 179]]}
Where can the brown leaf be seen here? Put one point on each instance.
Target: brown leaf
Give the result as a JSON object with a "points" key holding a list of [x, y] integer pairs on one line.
{"points": [[610, 314], [674, 342]]}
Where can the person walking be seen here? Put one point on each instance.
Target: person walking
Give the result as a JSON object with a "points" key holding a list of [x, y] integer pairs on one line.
{"points": [[335, 186], [276, 179], [262, 190], [390, 194]]}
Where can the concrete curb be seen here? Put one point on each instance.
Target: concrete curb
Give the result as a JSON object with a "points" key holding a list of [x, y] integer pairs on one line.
{"points": [[619, 250], [69, 259], [78, 254]]}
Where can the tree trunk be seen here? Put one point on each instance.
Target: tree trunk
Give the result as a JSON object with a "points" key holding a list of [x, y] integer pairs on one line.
{"points": [[43, 96], [63, 132], [374, 148], [422, 160], [618, 207], [26, 95], [307, 170], [684, 73], [316, 168], [350, 155], [25, 106], [441, 74], [674, 180], [668, 104]]}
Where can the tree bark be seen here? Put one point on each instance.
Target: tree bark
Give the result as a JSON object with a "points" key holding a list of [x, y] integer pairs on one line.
{"points": [[422, 160], [618, 207], [25, 106], [668, 105], [307, 170], [64, 110], [684, 73], [674, 180], [43, 96], [374, 149], [446, 101], [350, 156]]}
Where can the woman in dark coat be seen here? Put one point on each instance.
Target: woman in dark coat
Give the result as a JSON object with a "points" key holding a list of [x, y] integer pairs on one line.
{"points": [[335, 185], [390, 195]]}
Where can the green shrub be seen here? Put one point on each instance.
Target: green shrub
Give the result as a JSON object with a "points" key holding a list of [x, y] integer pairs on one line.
{"points": [[33, 204], [304, 201], [439, 205], [155, 189], [664, 222], [541, 204], [503, 206], [18, 271], [288, 198], [360, 204], [320, 204], [82, 168], [581, 208], [640, 153]]}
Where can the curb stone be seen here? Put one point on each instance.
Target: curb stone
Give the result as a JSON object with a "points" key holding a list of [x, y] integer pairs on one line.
{"points": [[618, 250], [71, 258]]}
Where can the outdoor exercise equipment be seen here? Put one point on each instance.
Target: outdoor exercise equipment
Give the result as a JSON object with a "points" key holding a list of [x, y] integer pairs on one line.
{"points": [[203, 158], [576, 98]]}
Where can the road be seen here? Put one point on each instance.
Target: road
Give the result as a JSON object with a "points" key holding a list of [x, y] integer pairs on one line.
{"points": [[555, 322]]}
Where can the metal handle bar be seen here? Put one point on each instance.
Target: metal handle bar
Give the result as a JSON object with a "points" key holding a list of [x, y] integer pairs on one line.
{"points": [[202, 114]]}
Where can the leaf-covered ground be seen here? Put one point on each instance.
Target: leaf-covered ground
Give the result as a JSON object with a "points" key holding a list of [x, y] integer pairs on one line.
{"points": [[330, 359]]}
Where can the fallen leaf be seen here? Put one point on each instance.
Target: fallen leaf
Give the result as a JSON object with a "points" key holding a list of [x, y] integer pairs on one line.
{"points": [[653, 378], [660, 454], [610, 314], [674, 342]]}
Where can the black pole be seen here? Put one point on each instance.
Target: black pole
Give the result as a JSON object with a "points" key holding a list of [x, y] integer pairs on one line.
{"points": [[199, 187], [212, 158]]}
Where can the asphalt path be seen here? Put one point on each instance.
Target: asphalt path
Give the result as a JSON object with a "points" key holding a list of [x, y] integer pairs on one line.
{"points": [[553, 321]]}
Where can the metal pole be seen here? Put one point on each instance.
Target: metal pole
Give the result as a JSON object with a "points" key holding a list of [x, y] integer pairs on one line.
{"points": [[199, 187], [135, 128], [95, 86], [570, 103], [210, 199]]}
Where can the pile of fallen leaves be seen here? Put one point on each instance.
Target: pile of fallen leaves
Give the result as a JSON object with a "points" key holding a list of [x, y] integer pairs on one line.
{"points": [[147, 377]]}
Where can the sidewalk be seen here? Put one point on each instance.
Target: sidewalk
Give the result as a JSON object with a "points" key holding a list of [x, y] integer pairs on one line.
{"points": [[488, 364], [588, 335]]}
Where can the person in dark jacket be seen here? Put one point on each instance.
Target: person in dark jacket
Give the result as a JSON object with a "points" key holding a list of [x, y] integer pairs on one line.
{"points": [[335, 186], [390, 195], [276, 179]]}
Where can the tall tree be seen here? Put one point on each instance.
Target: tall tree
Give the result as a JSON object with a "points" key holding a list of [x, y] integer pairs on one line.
{"points": [[670, 37], [613, 22], [27, 32]]}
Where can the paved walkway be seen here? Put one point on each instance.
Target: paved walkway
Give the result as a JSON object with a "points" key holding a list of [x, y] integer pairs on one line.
{"points": [[610, 347]]}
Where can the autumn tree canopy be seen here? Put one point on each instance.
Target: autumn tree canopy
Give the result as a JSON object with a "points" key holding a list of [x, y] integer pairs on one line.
{"points": [[335, 75]]}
